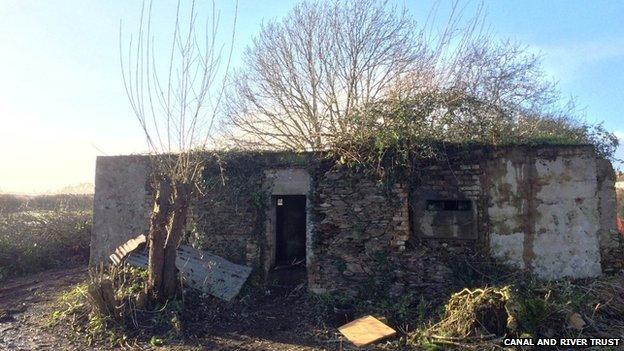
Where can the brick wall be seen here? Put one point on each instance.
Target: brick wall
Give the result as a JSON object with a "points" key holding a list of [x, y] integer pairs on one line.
{"points": [[457, 180]]}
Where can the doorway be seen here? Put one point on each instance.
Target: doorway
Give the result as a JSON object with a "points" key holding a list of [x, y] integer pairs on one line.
{"points": [[290, 229]]}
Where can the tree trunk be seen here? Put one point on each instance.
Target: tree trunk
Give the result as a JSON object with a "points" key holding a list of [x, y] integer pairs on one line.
{"points": [[157, 237], [181, 199]]}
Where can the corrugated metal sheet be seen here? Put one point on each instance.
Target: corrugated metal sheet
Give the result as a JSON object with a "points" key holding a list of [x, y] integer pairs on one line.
{"points": [[137, 259], [123, 250], [204, 271]]}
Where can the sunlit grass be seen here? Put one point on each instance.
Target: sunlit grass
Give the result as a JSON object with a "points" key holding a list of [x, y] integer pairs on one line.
{"points": [[35, 239]]}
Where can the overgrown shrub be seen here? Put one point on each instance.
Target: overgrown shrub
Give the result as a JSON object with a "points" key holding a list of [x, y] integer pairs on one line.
{"points": [[33, 241], [395, 135], [111, 309], [525, 307]]}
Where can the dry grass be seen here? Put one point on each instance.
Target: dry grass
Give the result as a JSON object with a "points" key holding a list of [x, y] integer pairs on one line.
{"points": [[605, 308], [474, 314], [480, 318], [38, 233], [22, 203], [111, 310]]}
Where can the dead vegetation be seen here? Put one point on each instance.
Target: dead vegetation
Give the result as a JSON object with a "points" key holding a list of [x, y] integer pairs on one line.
{"points": [[606, 317], [109, 311], [38, 233], [10, 203], [480, 318], [474, 314]]}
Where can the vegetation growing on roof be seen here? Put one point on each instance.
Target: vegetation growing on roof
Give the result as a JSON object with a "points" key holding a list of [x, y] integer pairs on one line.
{"points": [[399, 134], [378, 90]]}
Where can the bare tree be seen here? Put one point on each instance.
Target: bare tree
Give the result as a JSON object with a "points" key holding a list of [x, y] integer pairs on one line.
{"points": [[303, 76], [175, 101], [318, 80]]}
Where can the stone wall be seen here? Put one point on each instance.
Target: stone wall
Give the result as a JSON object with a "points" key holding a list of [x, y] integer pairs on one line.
{"points": [[548, 209], [228, 219], [224, 222], [233, 216], [361, 228]]}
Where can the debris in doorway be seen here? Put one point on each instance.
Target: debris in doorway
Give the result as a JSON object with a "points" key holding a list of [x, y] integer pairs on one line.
{"points": [[123, 250], [366, 330], [294, 263], [204, 271]]}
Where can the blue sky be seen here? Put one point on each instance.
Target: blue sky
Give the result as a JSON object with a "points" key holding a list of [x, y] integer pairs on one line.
{"points": [[62, 101]]}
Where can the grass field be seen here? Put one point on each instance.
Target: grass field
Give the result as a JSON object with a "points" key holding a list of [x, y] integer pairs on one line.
{"points": [[41, 232]]}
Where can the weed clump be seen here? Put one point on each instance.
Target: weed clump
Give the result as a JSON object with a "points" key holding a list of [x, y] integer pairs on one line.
{"points": [[525, 307], [478, 313], [111, 309]]}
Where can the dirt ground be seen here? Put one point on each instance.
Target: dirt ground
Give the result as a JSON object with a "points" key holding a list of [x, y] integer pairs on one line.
{"points": [[25, 309], [282, 319]]}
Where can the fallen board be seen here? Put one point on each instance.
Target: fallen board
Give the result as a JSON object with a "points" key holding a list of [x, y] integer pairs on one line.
{"points": [[366, 330], [204, 271]]}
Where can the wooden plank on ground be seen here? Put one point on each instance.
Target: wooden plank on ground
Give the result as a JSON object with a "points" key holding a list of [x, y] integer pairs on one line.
{"points": [[366, 330]]}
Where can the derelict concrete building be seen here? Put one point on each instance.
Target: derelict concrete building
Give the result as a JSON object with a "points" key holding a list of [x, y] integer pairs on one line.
{"points": [[548, 209]]}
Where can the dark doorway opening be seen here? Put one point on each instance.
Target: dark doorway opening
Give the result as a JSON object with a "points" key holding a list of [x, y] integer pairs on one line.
{"points": [[290, 226]]}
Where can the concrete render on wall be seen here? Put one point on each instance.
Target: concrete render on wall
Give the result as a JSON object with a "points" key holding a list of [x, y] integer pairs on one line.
{"points": [[544, 214], [288, 181], [122, 203]]}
